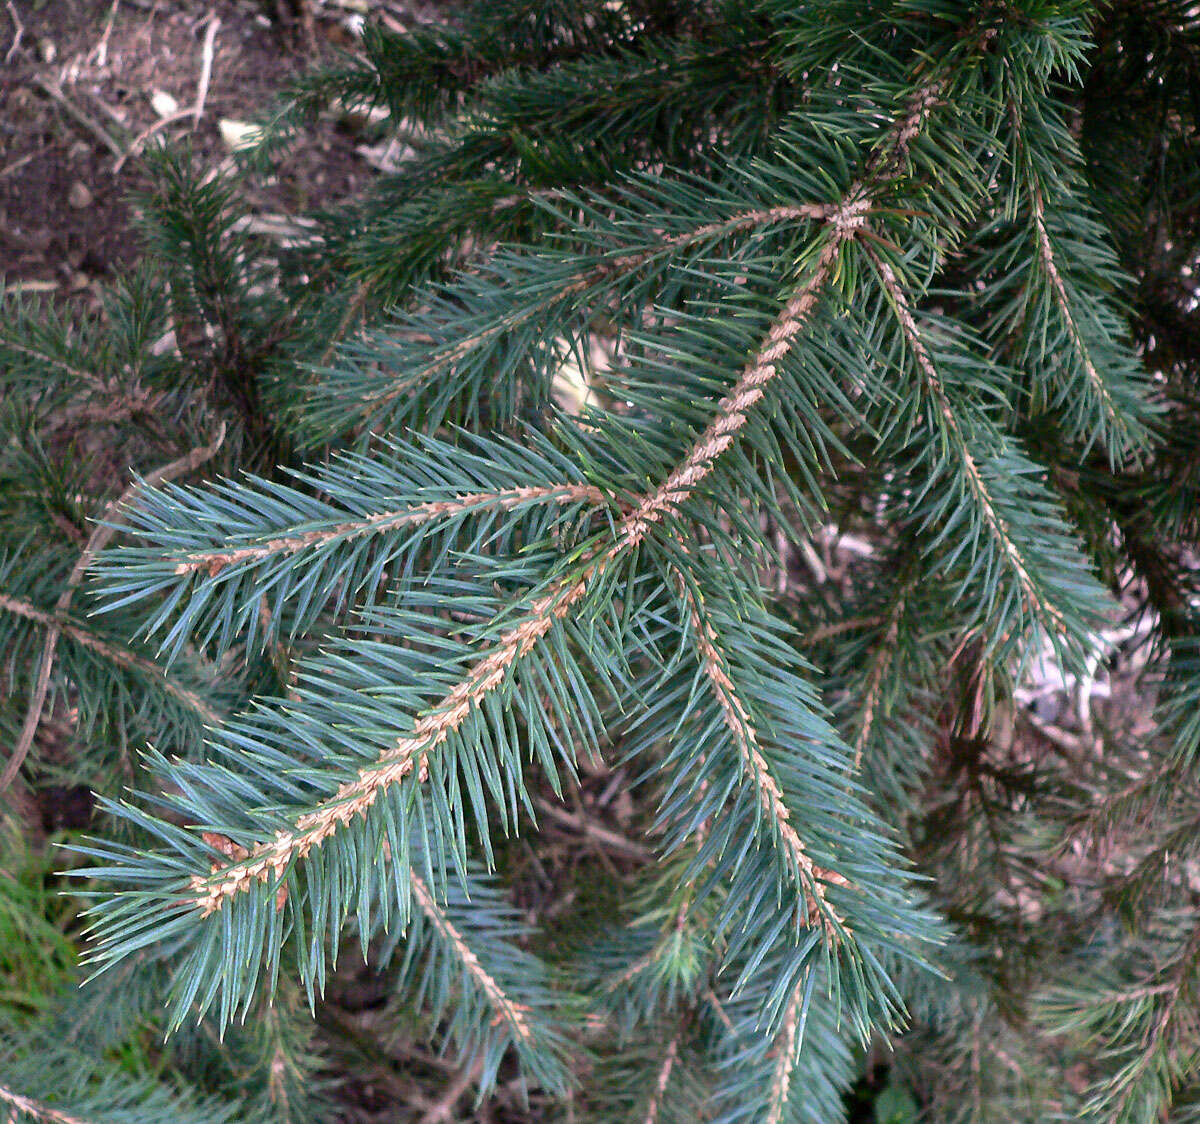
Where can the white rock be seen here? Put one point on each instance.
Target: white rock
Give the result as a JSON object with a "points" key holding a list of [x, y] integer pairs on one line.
{"points": [[163, 104], [239, 134]]}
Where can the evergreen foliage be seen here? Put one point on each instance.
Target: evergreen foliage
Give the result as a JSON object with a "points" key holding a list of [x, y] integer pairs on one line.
{"points": [[885, 266]]}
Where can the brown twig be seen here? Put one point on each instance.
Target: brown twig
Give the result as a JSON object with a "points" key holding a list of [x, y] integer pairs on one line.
{"points": [[86, 120], [33, 287], [307, 26], [195, 111], [663, 1079], [105, 530], [881, 660], [21, 161], [206, 63], [828, 631], [100, 51], [442, 1109], [18, 31], [139, 142], [351, 312], [594, 831]]}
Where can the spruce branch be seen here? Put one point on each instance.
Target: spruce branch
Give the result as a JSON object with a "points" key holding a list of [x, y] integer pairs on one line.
{"points": [[1051, 258], [947, 422], [825, 632], [818, 265], [786, 1049], [810, 877], [1116, 416], [114, 516], [733, 409], [33, 1110], [575, 283], [354, 308], [507, 1009], [408, 755], [431, 510], [88, 1088], [757, 350], [556, 601], [268, 539], [797, 1071], [45, 358], [463, 961], [411, 752], [1140, 1007], [663, 1078], [114, 653], [880, 661]]}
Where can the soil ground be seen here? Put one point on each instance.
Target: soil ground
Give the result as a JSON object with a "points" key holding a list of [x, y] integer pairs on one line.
{"points": [[85, 84]]}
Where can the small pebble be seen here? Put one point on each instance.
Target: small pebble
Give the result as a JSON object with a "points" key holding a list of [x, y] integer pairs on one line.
{"points": [[163, 104], [79, 196]]}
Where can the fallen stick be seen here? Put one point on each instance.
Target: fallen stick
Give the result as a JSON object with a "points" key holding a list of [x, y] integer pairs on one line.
{"points": [[88, 122]]}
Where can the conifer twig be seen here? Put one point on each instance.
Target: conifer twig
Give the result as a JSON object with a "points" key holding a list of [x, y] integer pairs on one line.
{"points": [[601, 836], [36, 1109], [353, 307], [614, 267], [662, 1079], [105, 529], [1001, 533], [114, 653], [572, 584], [785, 1055], [92, 380], [1152, 1041], [880, 662], [1046, 255], [505, 498], [512, 1012], [755, 766], [835, 628]]}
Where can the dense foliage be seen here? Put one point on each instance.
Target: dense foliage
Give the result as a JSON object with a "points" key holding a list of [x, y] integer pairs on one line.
{"points": [[513, 469]]}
